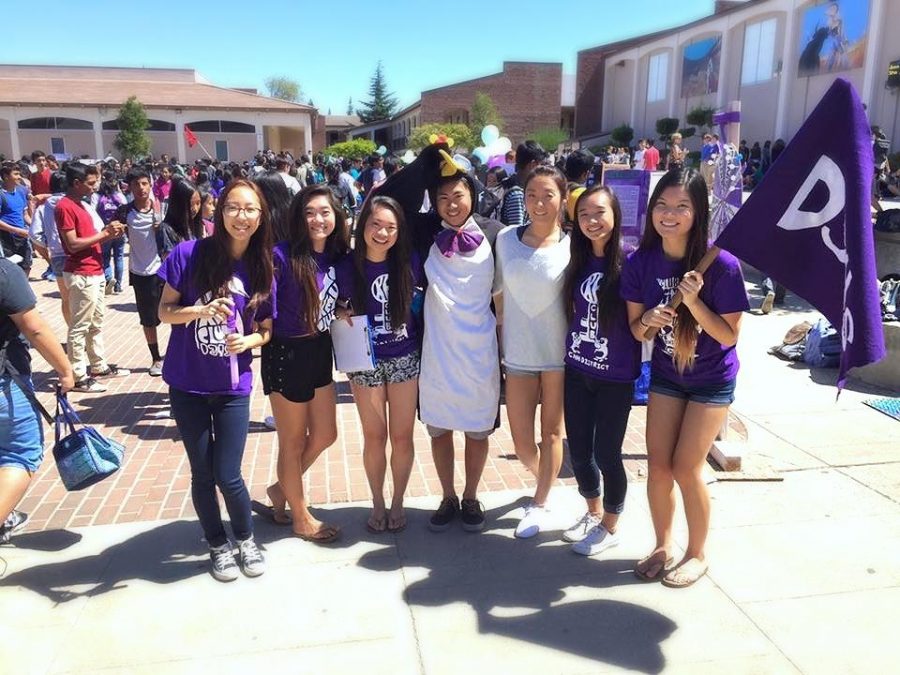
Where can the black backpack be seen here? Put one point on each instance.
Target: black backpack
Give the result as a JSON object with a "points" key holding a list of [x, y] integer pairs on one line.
{"points": [[888, 221]]}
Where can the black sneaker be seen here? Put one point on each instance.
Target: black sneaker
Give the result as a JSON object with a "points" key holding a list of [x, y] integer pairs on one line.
{"points": [[89, 386], [111, 371], [224, 566], [441, 519], [14, 522], [472, 515]]}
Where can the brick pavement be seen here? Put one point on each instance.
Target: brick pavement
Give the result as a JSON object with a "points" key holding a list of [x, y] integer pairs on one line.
{"points": [[154, 482]]}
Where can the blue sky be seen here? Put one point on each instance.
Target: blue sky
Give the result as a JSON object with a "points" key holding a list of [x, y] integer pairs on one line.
{"points": [[331, 48]]}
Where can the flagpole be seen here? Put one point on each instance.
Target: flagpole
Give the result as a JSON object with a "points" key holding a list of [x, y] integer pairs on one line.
{"points": [[209, 156]]}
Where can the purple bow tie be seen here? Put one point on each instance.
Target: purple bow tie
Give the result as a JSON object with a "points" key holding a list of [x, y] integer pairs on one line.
{"points": [[457, 241]]}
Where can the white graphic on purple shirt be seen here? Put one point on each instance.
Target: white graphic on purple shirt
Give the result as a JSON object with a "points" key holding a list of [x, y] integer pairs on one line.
{"points": [[382, 322], [327, 299], [589, 323], [667, 333], [210, 332]]}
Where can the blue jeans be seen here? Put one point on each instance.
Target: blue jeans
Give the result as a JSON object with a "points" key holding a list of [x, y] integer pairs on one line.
{"points": [[596, 421], [114, 257], [214, 431], [21, 433]]}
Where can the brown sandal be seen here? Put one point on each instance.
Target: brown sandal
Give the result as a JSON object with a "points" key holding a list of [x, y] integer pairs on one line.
{"points": [[649, 563]]}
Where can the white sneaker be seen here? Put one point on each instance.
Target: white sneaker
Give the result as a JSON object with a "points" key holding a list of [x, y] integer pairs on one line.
{"points": [[251, 560], [598, 540], [581, 529], [535, 519], [224, 566], [269, 421]]}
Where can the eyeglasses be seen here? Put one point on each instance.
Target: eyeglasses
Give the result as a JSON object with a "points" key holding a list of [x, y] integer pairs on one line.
{"points": [[677, 210], [251, 212]]}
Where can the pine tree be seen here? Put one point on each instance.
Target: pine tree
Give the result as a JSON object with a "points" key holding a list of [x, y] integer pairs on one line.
{"points": [[132, 140], [350, 106], [381, 104]]}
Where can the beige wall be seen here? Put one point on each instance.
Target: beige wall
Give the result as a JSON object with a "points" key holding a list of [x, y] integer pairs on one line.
{"points": [[78, 142], [619, 85], [5, 140]]}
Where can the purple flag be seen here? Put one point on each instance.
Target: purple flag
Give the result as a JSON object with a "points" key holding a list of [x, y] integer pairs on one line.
{"points": [[808, 224]]}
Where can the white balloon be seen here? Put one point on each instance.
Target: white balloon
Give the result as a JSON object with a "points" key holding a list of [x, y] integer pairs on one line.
{"points": [[504, 145], [381, 150], [489, 134], [408, 157]]}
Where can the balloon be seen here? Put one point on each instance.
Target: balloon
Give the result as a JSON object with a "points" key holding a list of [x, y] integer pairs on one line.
{"points": [[408, 157], [489, 134], [480, 154], [381, 150], [496, 160], [503, 145], [463, 162]]}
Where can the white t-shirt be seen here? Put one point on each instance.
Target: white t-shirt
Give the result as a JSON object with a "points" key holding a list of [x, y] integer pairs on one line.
{"points": [[534, 318], [143, 255], [639, 159], [293, 185]]}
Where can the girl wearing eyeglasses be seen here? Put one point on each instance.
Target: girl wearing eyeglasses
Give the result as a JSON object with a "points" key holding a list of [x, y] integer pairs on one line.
{"points": [[694, 363], [218, 298], [297, 364], [380, 281]]}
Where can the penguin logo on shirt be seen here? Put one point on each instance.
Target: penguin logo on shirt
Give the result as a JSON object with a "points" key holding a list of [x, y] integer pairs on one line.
{"points": [[210, 332], [666, 334], [589, 323], [327, 299], [379, 291]]}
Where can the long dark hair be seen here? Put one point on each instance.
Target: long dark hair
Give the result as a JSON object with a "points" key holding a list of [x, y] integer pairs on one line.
{"points": [[178, 213], [558, 178], [215, 266], [303, 262], [608, 301], [278, 199], [400, 278], [698, 243]]}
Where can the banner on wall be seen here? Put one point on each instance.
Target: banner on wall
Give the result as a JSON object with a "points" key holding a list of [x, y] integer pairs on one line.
{"points": [[833, 37], [700, 67]]}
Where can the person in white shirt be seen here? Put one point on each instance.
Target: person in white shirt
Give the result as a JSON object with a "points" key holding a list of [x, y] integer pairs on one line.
{"points": [[283, 166]]}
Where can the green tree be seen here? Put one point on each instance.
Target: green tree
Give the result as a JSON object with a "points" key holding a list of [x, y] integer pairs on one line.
{"points": [[132, 141], [483, 112], [381, 104], [548, 137], [460, 133], [701, 116], [358, 148], [350, 106], [284, 88], [622, 135], [665, 127]]}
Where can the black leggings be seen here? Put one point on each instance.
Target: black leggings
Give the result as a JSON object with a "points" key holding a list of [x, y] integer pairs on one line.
{"points": [[596, 420]]}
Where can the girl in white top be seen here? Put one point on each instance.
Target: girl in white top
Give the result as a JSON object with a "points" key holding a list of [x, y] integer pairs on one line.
{"points": [[528, 287]]}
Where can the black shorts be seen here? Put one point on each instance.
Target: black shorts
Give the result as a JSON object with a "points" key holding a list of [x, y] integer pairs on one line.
{"points": [[147, 292], [296, 367]]}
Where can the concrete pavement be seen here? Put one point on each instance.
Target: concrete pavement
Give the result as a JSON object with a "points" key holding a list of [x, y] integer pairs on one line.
{"points": [[804, 573]]}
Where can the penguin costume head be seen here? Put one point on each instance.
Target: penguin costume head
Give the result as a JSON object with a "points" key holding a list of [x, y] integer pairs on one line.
{"points": [[453, 192]]}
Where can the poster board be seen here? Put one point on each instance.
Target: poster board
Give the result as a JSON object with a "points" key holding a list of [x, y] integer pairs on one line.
{"points": [[632, 187]]}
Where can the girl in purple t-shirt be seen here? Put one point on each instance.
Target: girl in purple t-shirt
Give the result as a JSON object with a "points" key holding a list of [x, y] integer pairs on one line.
{"points": [[694, 362], [602, 361], [217, 296], [297, 364], [380, 281]]}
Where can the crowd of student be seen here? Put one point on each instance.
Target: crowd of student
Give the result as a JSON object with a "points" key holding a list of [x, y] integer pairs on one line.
{"points": [[452, 296]]}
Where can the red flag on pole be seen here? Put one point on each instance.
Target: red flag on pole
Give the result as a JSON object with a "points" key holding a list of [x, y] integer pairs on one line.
{"points": [[189, 136]]}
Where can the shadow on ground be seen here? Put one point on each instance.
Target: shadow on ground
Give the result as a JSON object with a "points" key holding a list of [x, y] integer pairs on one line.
{"points": [[516, 588]]}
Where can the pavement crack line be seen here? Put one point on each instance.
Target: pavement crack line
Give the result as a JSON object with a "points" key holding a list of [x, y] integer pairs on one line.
{"points": [[412, 617]]}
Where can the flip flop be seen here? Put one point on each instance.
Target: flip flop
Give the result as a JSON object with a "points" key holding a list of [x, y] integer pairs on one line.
{"points": [[643, 576], [325, 535], [398, 528], [676, 578], [267, 512]]}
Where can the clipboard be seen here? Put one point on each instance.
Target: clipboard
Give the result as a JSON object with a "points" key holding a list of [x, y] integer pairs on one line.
{"points": [[353, 348]]}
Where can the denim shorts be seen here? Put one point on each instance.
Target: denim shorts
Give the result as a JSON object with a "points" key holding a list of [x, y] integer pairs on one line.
{"points": [[56, 264], [709, 394], [21, 431]]}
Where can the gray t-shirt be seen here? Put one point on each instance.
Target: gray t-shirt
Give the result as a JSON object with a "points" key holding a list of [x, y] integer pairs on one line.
{"points": [[534, 317], [143, 256]]}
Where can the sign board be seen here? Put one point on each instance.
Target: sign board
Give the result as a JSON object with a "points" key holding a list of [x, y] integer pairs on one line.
{"points": [[632, 187]]}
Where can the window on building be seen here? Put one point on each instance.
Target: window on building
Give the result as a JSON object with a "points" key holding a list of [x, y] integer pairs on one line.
{"points": [[152, 125], [656, 77], [57, 146], [54, 123], [222, 151], [759, 52]]}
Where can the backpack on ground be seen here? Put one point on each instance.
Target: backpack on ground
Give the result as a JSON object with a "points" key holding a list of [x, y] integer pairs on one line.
{"points": [[823, 346], [888, 221]]}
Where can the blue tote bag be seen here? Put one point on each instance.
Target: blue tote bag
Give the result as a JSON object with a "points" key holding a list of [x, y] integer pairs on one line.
{"points": [[83, 456]]}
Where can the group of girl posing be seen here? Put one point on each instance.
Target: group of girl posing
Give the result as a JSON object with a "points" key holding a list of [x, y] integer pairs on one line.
{"points": [[570, 313]]}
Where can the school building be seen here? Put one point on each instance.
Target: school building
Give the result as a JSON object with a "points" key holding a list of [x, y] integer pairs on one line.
{"points": [[777, 57], [71, 111]]}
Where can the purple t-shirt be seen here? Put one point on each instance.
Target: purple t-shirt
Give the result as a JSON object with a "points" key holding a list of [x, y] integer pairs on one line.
{"points": [[390, 342], [196, 358], [290, 318], [651, 279], [608, 353]]}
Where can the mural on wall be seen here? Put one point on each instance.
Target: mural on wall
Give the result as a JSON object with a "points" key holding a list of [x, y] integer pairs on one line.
{"points": [[833, 36], [700, 67]]}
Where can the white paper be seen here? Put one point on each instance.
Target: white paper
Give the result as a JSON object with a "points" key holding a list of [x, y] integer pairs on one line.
{"points": [[352, 345]]}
